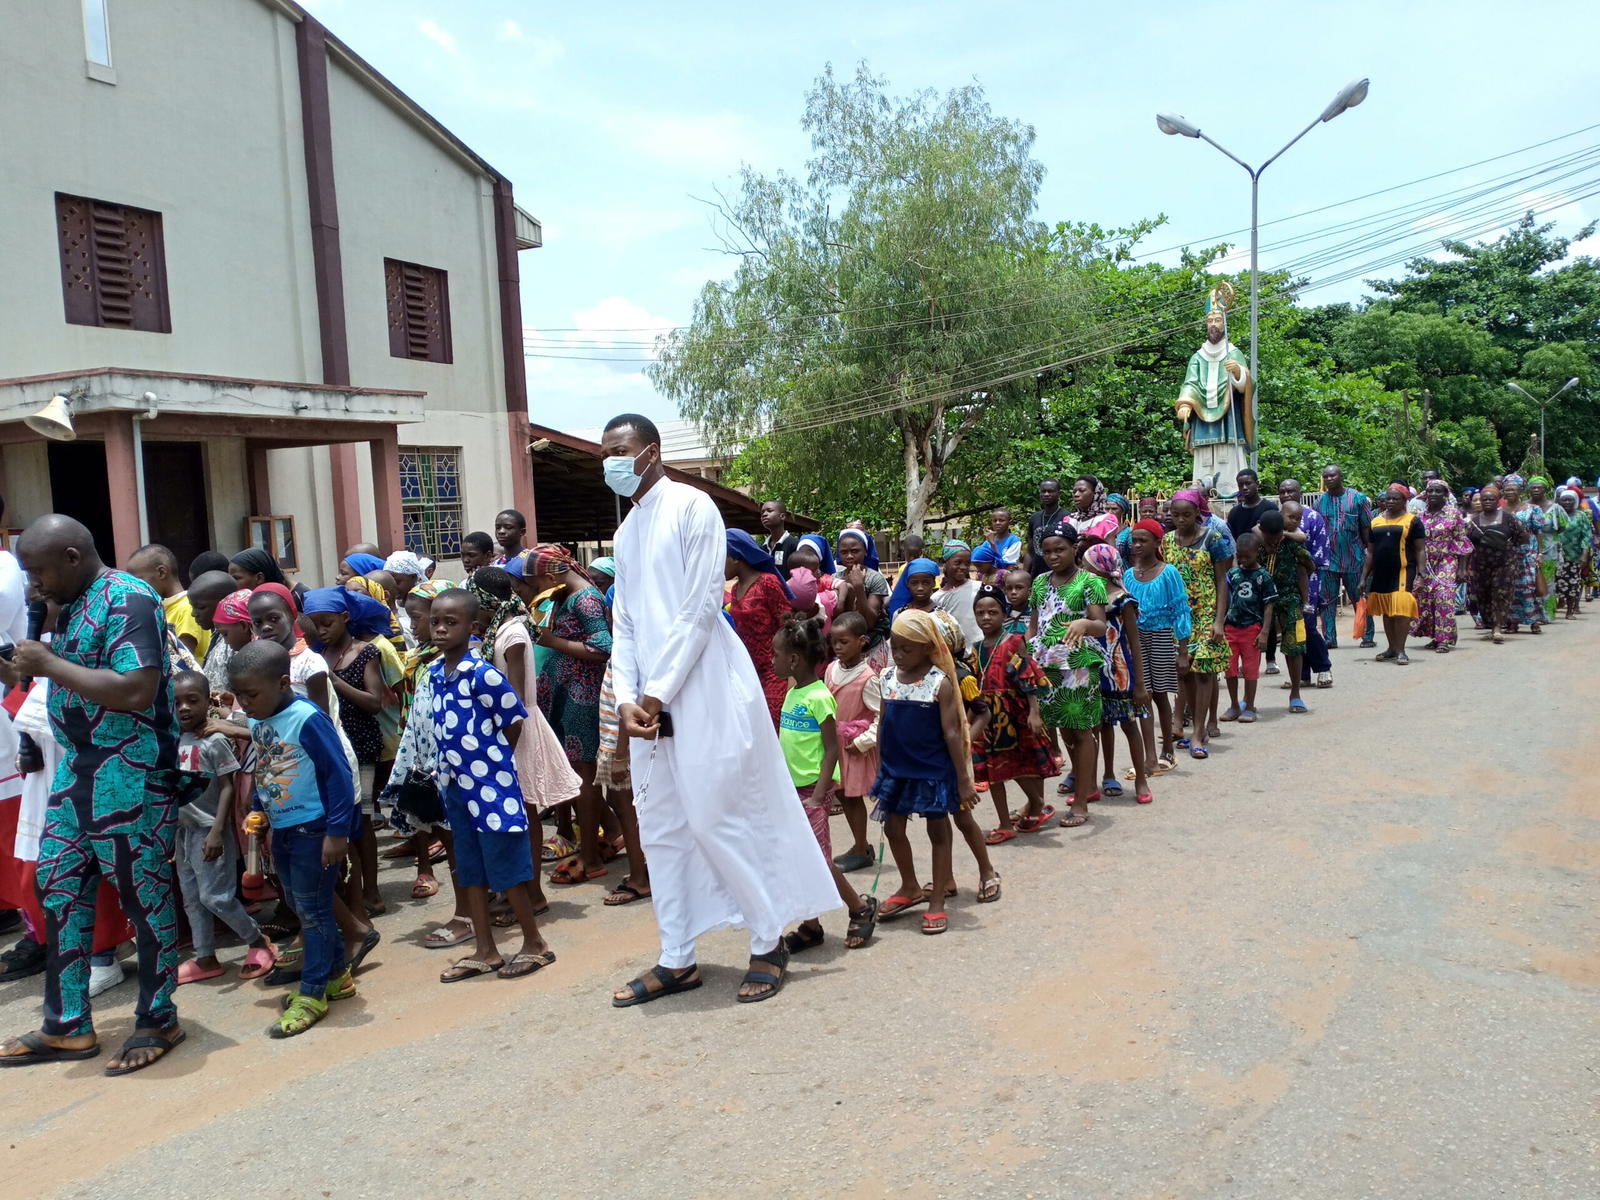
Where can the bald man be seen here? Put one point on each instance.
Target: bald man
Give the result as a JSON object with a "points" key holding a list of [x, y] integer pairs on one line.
{"points": [[113, 804], [158, 566]]}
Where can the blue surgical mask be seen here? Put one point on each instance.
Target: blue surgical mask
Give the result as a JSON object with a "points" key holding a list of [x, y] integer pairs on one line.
{"points": [[620, 477]]}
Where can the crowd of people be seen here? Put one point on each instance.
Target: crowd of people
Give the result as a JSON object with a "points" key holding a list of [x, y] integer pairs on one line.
{"points": [[703, 704]]}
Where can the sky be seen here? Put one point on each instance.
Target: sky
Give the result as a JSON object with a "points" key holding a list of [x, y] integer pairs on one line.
{"points": [[617, 121]]}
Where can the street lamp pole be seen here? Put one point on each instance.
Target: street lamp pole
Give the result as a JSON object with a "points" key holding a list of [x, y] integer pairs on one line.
{"points": [[1543, 404], [1351, 95]]}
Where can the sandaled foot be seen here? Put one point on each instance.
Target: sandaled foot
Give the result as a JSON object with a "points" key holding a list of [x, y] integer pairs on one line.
{"points": [[469, 968], [29, 1049], [807, 937], [1402, 659], [898, 905], [1297, 706], [863, 922], [760, 983], [453, 933], [1034, 822], [998, 836], [935, 922], [1072, 820], [573, 871], [145, 1047], [1232, 714], [1199, 752], [425, 886], [625, 893], [1110, 787], [1248, 716], [655, 983], [299, 1014], [854, 860], [526, 963], [989, 889]]}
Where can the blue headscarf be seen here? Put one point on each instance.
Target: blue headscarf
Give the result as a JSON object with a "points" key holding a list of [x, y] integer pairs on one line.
{"points": [[747, 550], [367, 617], [901, 596], [824, 552], [871, 559], [363, 564]]}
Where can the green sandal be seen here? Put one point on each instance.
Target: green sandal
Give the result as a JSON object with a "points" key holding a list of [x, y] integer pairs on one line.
{"points": [[301, 1014]]}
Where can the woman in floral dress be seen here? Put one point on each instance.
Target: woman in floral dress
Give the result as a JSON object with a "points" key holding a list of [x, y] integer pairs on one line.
{"points": [[1527, 606], [1202, 556], [1575, 543], [1555, 518], [1446, 546]]}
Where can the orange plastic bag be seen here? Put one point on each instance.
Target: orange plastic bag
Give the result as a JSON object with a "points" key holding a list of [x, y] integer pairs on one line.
{"points": [[1359, 629]]}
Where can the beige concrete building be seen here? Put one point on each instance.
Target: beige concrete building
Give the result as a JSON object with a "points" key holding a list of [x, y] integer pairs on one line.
{"points": [[268, 284]]}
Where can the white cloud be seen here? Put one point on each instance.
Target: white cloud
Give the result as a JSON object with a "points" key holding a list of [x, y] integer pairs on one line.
{"points": [[430, 29], [613, 228], [714, 141], [543, 50], [614, 338]]}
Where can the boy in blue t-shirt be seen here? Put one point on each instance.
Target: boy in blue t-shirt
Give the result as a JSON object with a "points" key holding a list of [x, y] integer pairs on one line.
{"points": [[304, 791]]}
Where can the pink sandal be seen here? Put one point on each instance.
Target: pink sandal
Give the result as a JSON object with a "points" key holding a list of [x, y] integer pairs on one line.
{"points": [[258, 962], [1146, 798], [191, 973]]}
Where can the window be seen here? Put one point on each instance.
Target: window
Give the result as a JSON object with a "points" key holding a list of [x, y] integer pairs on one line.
{"points": [[96, 33], [419, 311], [113, 266], [430, 500]]}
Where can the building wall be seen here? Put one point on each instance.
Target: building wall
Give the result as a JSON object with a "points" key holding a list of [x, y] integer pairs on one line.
{"points": [[203, 128]]}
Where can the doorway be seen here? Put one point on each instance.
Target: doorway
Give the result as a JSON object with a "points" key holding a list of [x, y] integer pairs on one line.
{"points": [[80, 489], [175, 499]]}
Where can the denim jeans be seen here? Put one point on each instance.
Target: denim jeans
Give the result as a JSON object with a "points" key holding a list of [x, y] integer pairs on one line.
{"points": [[308, 886]]}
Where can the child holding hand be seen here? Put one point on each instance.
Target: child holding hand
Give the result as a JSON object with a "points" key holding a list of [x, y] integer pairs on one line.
{"points": [[857, 691]]}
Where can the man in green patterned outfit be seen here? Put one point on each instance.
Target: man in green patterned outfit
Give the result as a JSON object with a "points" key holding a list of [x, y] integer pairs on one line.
{"points": [[112, 804]]}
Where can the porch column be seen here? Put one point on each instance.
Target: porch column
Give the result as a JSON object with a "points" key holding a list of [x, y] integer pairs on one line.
{"points": [[346, 496], [260, 481], [522, 470], [122, 477], [386, 490]]}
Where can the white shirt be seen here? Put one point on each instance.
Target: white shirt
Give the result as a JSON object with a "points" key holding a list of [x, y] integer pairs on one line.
{"points": [[13, 598]]}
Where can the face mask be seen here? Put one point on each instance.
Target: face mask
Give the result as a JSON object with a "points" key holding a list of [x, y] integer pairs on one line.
{"points": [[619, 474]]}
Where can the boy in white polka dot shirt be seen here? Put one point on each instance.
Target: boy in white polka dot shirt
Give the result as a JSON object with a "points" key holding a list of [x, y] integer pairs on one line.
{"points": [[477, 719]]}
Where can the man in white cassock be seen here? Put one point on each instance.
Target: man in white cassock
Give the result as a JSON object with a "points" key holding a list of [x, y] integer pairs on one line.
{"points": [[727, 842]]}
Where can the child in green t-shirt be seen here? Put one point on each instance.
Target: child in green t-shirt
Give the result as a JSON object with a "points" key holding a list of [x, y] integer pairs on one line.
{"points": [[806, 731]]}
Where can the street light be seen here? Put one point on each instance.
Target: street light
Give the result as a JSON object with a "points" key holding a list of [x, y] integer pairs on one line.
{"points": [[1565, 387], [1349, 96]]}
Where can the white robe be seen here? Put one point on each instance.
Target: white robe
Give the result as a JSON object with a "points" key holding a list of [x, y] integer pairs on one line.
{"points": [[726, 836]]}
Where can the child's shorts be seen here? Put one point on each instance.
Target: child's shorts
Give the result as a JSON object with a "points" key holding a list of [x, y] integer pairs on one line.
{"points": [[1244, 656], [496, 861]]}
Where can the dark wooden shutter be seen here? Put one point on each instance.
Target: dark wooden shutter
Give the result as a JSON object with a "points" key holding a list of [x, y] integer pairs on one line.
{"points": [[113, 265], [419, 311]]}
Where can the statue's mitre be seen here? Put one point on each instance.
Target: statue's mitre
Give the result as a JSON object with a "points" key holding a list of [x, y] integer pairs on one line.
{"points": [[1220, 298]]}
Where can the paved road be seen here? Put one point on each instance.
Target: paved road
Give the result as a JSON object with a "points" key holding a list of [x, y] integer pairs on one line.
{"points": [[1354, 955]]}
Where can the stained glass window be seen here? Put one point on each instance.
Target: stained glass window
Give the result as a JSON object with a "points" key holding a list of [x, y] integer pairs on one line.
{"points": [[430, 500]]}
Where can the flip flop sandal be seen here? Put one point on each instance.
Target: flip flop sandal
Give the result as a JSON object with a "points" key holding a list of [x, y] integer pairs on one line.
{"points": [[624, 893], [1167, 762], [1199, 752], [1181, 743], [469, 968], [528, 964], [1146, 798], [1110, 787], [989, 889], [368, 945], [41, 1051], [425, 886], [778, 958], [800, 939], [1298, 706], [258, 962], [1226, 717], [897, 905], [1027, 824], [998, 837], [862, 925], [435, 942], [935, 922], [504, 919], [570, 874], [672, 982], [147, 1042], [190, 973], [1383, 656], [927, 891], [1065, 787], [1130, 774], [1073, 820], [1401, 659]]}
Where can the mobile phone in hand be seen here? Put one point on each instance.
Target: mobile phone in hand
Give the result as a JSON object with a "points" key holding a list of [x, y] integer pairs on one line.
{"points": [[664, 724]]}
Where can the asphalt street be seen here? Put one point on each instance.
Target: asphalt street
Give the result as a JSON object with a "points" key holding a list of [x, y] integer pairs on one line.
{"points": [[1352, 955]]}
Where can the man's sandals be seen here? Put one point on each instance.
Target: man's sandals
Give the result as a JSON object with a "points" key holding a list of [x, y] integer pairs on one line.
{"points": [[668, 983], [771, 983]]}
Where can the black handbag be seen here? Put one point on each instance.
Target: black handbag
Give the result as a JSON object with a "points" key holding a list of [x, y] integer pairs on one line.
{"points": [[419, 798]]}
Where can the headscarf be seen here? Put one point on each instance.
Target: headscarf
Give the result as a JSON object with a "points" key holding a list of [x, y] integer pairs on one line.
{"points": [[1121, 502], [749, 551], [501, 613], [516, 566], [1522, 484], [362, 563], [865, 538], [953, 547], [1542, 482], [1061, 529], [1097, 506], [259, 562], [914, 625], [282, 592], [376, 590], [429, 588], [824, 552], [803, 587], [403, 562], [1103, 559], [997, 594], [366, 617], [606, 565], [901, 596], [1152, 527], [233, 609], [546, 559], [1195, 497]]}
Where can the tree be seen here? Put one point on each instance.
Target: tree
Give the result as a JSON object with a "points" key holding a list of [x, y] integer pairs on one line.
{"points": [[899, 287]]}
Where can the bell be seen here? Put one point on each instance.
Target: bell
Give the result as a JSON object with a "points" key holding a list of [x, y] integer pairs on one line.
{"points": [[53, 421]]}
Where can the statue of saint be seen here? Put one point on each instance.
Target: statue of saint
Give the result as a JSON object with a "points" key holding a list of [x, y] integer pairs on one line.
{"points": [[1216, 401]]}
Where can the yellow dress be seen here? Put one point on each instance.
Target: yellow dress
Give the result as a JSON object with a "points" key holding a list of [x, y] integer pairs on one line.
{"points": [[1391, 563]]}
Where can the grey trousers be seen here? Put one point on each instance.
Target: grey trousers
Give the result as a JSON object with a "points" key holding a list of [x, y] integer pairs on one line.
{"points": [[210, 889]]}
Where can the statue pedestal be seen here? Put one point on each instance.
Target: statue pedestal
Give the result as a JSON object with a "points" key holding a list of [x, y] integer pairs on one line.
{"points": [[1216, 465]]}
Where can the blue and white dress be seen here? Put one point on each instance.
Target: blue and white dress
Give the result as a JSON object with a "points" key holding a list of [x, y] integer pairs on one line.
{"points": [[915, 774]]}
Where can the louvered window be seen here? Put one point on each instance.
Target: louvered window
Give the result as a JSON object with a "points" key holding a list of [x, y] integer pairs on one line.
{"points": [[419, 311], [113, 267]]}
